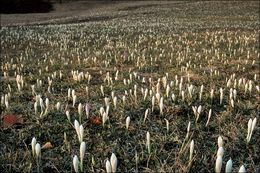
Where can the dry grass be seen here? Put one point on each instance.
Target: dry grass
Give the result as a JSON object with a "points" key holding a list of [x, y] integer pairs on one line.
{"points": [[147, 40]]}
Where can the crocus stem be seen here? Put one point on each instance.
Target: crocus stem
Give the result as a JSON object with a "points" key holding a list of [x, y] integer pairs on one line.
{"points": [[81, 166], [38, 164]]}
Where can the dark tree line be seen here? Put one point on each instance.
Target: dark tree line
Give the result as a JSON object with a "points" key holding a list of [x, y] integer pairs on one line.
{"points": [[25, 6]]}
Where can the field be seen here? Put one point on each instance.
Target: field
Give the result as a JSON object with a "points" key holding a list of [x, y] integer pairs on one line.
{"points": [[164, 86]]}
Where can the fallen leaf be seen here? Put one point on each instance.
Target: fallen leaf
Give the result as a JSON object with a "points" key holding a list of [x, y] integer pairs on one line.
{"points": [[10, 120], [47, 145], [95, 120]]}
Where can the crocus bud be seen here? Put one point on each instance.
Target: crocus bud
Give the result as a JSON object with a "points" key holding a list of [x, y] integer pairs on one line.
{"points": [[80, 111], [58, 106], [211, 94], [38, 150], [113, 162], [108, 167], [35, 108], [115, 101], [201, 91], [153, 102], [81, 133], [242, 169], [220, 142], [250, 129], [173, 97], [167, 91], [191, 149], [82, 153], [188, 130], [161, 105], [68, 115], [220, 151], [104, 118], [209, 115], [76, 163], [41, 104], [232, 103], [127, 122], [146, 114], [47, 103], [148, 142], [74, 98], [157, 95], [87, 109], [33, 145], [218, 164], [221, 95], [182, 95], [167, 125], [229, 166], [76, 126], [145, 93], [102, 90], [124, 99]]}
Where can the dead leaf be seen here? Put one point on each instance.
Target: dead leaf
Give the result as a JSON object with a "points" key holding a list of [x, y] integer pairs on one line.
{"points": [[47, 145], [10, 120], [95, 120]]}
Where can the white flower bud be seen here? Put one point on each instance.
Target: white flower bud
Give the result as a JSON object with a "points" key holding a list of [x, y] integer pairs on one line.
{"points": [[127, 122], [113, 161]]}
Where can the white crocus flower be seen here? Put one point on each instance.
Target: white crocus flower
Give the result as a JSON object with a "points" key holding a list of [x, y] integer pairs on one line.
{"points": [[146, 114], [218, 164], [221, 96], [242, 169], [76, 126], [38, 150], [74, 99], [153, 102], [209, 115], [81, 133], [167, 125], [58, 106], [115, 101], [220, 151], [69, 93], [102, 90], [220, 142], [107, 101], [108, 167], [68, 115], [87, 109], [80, 112], [127, 122], [250, 129], [82, 153], [229, 166], [161, 105], [33, 143], [104, 118], [191, 149], [148, 142], [76, 163], [113, 162], [188, 130], [201, 92], [35, 108]]}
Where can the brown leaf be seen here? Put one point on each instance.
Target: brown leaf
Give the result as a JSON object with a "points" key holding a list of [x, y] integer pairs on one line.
{"points": [[95, 120], [47, 145], [10, 120]]}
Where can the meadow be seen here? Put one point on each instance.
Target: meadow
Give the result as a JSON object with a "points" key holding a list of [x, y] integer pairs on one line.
{"points": [[160, 87]]}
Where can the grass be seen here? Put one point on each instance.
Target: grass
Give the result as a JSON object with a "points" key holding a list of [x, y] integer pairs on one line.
{"points": [[179, 39]]}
